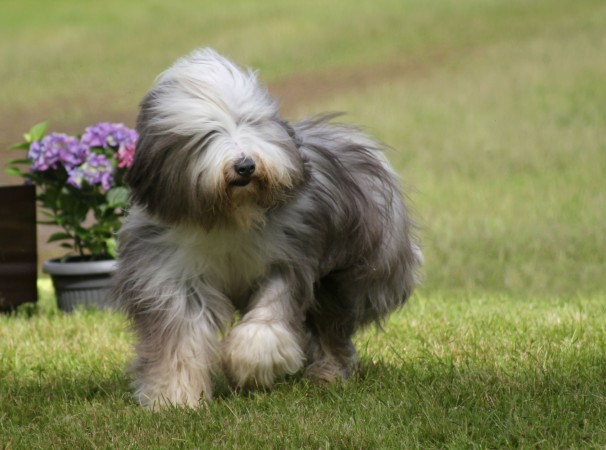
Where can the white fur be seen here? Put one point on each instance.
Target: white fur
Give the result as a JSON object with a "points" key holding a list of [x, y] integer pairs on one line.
{"points": [[183, 368], [230, 259], [255, 353], [211, 89], [263, 346]]}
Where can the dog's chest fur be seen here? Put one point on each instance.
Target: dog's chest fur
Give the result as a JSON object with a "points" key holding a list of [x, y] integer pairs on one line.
{"points": [[229, 260]]}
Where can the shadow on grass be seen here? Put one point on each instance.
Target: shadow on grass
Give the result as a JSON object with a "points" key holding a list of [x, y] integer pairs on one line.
{"points": [[561, 402], [26, 399], [582, 376]]}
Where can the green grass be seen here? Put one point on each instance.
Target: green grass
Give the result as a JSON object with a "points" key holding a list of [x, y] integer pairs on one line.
{"points": [[496, 113], [486, 371]]}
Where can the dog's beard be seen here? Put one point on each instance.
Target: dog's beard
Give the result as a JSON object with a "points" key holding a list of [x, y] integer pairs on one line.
{"points": [[245, 204]]}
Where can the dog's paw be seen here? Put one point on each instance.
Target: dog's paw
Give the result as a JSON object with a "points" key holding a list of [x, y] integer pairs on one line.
{"points": [[328, 364], [328, 371], [166, 385], [255, 353], [160, 397]]}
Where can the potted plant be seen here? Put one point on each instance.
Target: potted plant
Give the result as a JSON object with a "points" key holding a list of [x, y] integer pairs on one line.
{"points": [[80, 188]]}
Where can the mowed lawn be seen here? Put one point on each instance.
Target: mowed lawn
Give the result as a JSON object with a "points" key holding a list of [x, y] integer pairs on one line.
{"points": [[496, 112]]}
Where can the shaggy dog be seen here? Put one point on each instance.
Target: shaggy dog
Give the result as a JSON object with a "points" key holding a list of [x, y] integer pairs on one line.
{"points": [[300, 228]]}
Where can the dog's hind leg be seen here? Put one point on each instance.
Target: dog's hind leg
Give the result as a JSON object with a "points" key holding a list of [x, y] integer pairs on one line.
{"points": [[330, 351], [267, 342], [330, 355]]}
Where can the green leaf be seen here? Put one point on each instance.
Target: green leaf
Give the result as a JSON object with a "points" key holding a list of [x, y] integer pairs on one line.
{"points": [[19, 161], [58, 237], [20, 146], [49, 214], [112, 247], [13, 171], [117, 197], [36, 132]]}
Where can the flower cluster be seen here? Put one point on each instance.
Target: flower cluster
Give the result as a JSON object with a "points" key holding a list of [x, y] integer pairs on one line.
{"points": [[86, 159], [106, 135], [80, 181], [57, 149], [96, 169]]}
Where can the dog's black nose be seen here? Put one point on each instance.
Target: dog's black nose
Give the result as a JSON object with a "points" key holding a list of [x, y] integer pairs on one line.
{"points": [[245, 168]]}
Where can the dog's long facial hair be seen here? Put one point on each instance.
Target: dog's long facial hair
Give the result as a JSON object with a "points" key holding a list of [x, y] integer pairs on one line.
{"points": [[301, 228]]}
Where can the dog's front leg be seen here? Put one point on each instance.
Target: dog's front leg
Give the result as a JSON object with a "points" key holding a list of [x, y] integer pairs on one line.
{"points": [[267, 342], [176, 357]]}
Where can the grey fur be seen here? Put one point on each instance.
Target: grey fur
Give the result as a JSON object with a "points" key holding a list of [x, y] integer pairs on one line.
{"points": [[329, 246]]}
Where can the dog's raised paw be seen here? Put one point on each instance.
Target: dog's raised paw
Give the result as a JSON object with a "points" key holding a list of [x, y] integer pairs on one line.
{"points": [[256, 353]]}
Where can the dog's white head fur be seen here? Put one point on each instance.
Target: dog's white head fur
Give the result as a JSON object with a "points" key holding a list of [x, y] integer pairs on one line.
{"points": [[212, 136]]}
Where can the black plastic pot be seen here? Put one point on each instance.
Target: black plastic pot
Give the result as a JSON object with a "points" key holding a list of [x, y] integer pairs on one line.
{"points": [[81, 283]]}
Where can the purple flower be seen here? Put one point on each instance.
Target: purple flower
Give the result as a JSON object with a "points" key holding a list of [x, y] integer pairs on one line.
{"points": [[105, 134], [55, 149], [96, 170]]}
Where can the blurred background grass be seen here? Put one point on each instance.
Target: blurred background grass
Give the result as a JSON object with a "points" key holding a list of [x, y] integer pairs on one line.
{"points": [[495, 109]]}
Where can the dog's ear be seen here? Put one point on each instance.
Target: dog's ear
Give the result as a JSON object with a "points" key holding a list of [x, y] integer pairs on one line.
{"points": [[158, 178], [148, 158], [154, 175]]}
